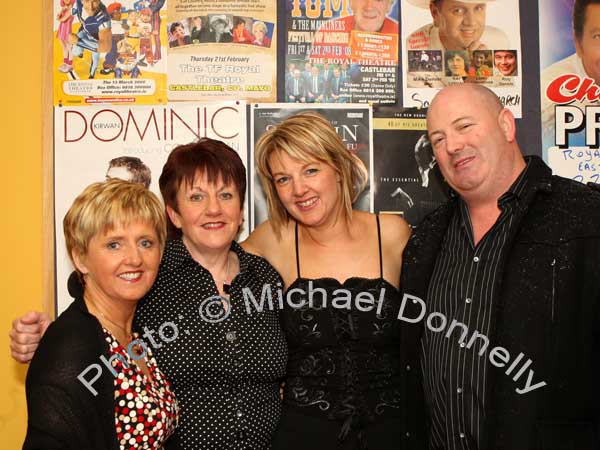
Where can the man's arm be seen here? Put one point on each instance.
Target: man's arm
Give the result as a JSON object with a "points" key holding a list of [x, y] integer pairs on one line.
{"points": [[25, 335]]}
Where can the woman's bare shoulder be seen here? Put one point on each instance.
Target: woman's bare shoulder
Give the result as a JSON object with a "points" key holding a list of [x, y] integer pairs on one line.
{"points": [[255, 242], [394, 228], [395, 232], [264, 241]]}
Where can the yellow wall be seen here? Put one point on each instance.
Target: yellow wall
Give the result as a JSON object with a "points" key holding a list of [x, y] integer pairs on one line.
{"points": [[21, 205]]}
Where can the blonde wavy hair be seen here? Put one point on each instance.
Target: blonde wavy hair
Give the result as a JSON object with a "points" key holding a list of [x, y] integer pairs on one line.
{"points": [[308, 136], [105, 205]]}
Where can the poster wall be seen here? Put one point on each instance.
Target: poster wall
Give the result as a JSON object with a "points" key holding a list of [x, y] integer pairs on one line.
{"points": [[109, 52], [93, 143], [353, 125], [222, 49], [570, 91], [406, 179], [461, 42], [337, 55]]}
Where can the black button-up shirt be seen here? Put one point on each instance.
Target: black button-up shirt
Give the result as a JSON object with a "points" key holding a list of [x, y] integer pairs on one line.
{"points": [[464, 288], [225, 374]]}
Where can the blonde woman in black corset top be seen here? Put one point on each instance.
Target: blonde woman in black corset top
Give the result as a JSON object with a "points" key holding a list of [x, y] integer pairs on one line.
{"points": [[345, 379]]}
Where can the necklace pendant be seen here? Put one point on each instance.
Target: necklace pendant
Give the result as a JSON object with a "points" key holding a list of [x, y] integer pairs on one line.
{"points": [[137, 349], [226, 288]]}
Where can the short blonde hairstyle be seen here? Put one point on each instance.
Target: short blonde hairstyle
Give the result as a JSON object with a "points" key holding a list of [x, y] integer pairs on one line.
{"points": [[308, 136], [259, 25], [105, 205]]}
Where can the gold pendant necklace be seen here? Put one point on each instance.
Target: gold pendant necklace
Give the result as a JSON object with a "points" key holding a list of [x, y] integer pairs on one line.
{"points": [[137, 348], [127, 334]]}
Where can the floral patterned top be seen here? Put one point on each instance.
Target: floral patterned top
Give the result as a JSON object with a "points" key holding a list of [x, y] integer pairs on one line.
{"points": [[146, 410]]}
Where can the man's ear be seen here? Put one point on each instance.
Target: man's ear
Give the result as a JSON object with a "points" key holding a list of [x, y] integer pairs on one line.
{"points": [[79, 261], [506, 120], [174, 216]]}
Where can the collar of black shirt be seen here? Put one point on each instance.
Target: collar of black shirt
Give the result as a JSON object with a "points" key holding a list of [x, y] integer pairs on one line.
{"points": [[536, 177], [176, 255]]}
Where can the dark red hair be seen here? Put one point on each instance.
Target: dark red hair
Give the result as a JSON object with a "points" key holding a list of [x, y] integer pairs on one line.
{"points": [[214, 158]]}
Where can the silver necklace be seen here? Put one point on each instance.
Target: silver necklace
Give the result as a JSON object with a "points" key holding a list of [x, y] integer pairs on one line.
{"points": [[226, 286]]}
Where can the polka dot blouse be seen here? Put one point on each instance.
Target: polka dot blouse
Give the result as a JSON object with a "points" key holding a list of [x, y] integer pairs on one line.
{"points": [[227, 373], [146, 412]]}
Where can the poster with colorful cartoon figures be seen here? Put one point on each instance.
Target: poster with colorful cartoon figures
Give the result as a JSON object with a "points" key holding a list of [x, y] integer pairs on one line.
{"points": [[570, 88], [109, 51], [352, 123], [222, 49], [468, 41], [341, 51], [92, 143]]}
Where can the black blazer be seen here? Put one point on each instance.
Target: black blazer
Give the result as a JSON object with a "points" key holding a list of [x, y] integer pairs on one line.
{"points": [[63, 413], [548, 308]]}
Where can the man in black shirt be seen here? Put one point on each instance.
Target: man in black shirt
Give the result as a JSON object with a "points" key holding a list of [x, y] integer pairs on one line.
{"points": [[510, 298]]}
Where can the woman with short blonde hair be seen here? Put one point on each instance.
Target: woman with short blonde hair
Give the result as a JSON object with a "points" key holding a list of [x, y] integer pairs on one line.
{"points": [[115, 234], [102, 206]]}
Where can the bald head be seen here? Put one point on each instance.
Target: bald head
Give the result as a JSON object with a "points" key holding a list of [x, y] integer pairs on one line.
{"points": [[471, 92]]}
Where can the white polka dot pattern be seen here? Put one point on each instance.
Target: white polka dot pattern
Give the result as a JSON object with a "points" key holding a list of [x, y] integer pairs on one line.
{"points": [[226, 375], [146, 412]]}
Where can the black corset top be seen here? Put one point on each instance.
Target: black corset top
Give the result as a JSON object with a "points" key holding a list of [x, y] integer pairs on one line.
{"points": [[344, 349]]}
